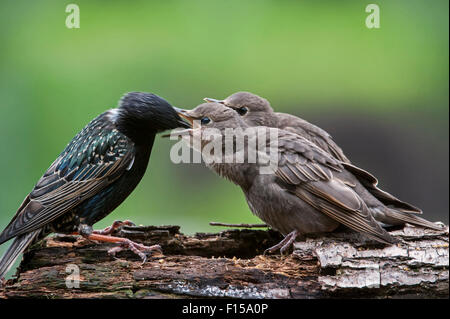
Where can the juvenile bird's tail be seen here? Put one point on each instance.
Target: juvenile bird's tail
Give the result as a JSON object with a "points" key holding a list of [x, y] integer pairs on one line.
{"points": [[17, 247], [395, 217]]}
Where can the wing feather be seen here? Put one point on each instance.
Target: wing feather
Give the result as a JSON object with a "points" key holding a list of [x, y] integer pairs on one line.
{"points": [[315, 183], [312, 133], [370, 182], [94, 159]]}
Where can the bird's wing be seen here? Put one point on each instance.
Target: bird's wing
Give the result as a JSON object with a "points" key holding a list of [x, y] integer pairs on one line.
{"points": [[370, 182], [312, 133], [313, 176], [95, 158]]}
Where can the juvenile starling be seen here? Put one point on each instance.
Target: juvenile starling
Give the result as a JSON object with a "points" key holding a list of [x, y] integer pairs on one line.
{"points": [[309, 191], [94, 174], [256, 111]]}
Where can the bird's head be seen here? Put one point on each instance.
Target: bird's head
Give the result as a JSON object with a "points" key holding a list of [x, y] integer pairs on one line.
{"points": [[254, 110], [218, 132], [212, 116], [142, 114], [224, 138]]}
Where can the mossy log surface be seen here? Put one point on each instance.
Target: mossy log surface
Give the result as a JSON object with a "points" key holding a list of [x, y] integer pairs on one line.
{"points": [[231, 264]]}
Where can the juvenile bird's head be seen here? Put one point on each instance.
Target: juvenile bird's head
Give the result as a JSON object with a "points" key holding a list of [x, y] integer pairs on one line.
{"points": [[141, 115], [216, 127], [254, 110], [228, 144], [212, 116]]}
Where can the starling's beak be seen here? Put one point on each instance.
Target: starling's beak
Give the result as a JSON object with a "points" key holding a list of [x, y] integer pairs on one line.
{"points": [[186, 120], [178, 110], [210, 100], [184, 115]]}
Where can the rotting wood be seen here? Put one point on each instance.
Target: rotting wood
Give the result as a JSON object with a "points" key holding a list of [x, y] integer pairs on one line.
{"points": [[230, 264]]}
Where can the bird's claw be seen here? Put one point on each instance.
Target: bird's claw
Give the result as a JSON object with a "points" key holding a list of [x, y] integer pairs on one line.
{"points": [[283, 245], [139, 249], [115, 225]]}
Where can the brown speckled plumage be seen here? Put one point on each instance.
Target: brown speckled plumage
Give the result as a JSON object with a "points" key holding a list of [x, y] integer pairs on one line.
{"points": [[255, 110], [309, 192]]}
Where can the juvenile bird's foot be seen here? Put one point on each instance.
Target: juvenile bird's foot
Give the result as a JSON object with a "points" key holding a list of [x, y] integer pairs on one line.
{"points": [[116, 225], [139, 249], [284, 244]]}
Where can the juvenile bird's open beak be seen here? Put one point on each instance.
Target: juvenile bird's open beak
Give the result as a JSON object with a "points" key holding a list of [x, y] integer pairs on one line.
{"points": [[178, 110], [183, 114], [210, 100], [183, 122]]}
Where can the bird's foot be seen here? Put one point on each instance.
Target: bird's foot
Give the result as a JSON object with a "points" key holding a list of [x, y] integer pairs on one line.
{"points": [[283, 245], [116, 225], [139, 249]]}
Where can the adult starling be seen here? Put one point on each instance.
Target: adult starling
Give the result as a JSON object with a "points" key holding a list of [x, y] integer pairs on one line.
{"points": [[94, 174], [308, 192], [257, 111]]}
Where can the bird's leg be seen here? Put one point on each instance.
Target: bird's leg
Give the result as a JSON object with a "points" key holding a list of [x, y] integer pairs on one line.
{"points": [[115, 225], [284, 244], [125, 243], [139, 249]]}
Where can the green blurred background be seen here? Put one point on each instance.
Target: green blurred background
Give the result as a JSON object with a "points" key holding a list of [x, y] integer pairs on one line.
{"points": [[382, 93]]}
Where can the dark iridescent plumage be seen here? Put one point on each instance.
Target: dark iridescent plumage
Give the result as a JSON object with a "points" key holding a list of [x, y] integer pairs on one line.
{"points": [[94, 174]]}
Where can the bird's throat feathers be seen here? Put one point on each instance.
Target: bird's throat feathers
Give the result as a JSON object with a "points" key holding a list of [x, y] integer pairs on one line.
{"points": [[240, 174]]}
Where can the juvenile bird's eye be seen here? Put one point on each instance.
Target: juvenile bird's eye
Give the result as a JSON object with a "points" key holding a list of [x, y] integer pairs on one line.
{"points": [[242, 110], [205, 120]]}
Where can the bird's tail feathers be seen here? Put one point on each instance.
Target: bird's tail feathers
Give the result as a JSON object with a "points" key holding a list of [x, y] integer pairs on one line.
{"points": [[359, 219], [370, 183], [394, 217], [17, 247]]}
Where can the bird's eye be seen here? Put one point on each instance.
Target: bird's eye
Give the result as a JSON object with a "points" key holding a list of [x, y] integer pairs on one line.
{"points": [[242, 110], [205, 120]]}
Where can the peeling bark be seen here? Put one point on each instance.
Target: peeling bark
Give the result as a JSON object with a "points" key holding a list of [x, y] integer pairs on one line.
{"points": [[230, 264]]}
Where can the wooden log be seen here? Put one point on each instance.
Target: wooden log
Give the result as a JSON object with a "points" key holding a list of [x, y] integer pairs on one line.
{"points": [[231, 264]]}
